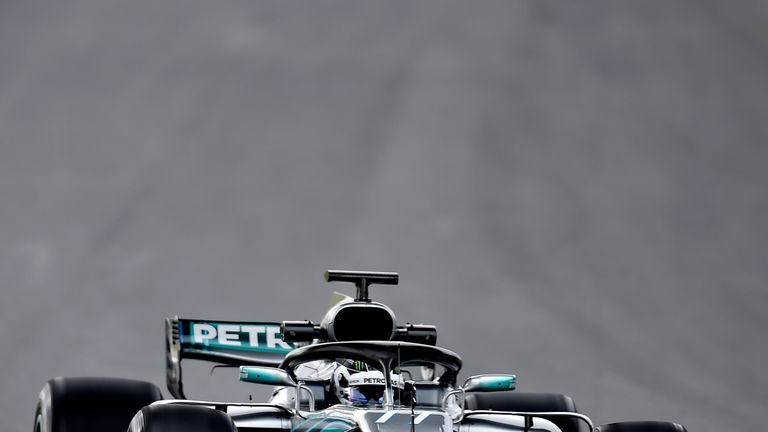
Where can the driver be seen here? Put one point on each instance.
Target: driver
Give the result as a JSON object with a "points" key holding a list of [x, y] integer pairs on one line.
{"points": [[364, 388]]}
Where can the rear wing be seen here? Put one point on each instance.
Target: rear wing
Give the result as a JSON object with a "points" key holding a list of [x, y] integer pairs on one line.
{"points": [[222, 342]]}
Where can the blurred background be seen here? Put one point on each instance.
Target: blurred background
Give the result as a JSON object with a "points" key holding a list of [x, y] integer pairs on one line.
{"points": [[574, 192]]}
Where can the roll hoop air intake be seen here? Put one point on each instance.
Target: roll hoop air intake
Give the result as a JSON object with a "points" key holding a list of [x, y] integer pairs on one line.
{"points": [[343, 321]]}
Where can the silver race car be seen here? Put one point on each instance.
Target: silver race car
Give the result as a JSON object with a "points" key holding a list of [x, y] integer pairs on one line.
{"points": [[357, 370]]}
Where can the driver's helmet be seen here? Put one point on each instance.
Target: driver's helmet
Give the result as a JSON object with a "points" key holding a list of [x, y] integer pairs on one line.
{"points": [[364, 388], [341, 374]]}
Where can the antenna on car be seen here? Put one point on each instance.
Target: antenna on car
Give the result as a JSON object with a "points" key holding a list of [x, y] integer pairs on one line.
{"points": [[362, 280]]}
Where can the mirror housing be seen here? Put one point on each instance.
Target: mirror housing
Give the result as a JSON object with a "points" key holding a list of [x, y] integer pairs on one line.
{"points": [[490, 383], [265, 375], [476, 383], [276, 377]]}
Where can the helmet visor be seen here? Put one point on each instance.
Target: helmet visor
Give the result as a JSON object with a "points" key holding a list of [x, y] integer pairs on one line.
{"points": [[362, 395]]}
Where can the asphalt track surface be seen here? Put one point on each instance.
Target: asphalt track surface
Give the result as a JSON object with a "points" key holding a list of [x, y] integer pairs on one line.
{"points": [[574, 192]]}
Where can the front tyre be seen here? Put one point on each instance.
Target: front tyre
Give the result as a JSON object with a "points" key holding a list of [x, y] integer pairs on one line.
{"points": [[642, 426], [527, 402], [181, 418], [91, 404]]}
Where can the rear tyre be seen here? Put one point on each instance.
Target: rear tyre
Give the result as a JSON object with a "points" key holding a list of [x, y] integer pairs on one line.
{"points": [[642, 426], [91, 404], [528, 402], [181, 418]]}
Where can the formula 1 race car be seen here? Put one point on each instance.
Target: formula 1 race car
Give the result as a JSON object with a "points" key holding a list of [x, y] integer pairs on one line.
{"points": [[355, 371]]}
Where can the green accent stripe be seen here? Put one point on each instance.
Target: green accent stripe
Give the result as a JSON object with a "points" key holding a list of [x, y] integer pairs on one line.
{"points": [[213, 346]]}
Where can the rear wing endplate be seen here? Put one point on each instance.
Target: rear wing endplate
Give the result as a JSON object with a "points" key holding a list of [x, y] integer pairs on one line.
{"points": [[222, 342]]}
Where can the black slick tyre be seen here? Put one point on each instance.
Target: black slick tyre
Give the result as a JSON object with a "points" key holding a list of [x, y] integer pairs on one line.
{"points": [[528, 402], [91, 404], [181, 418], [642, 426]]}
